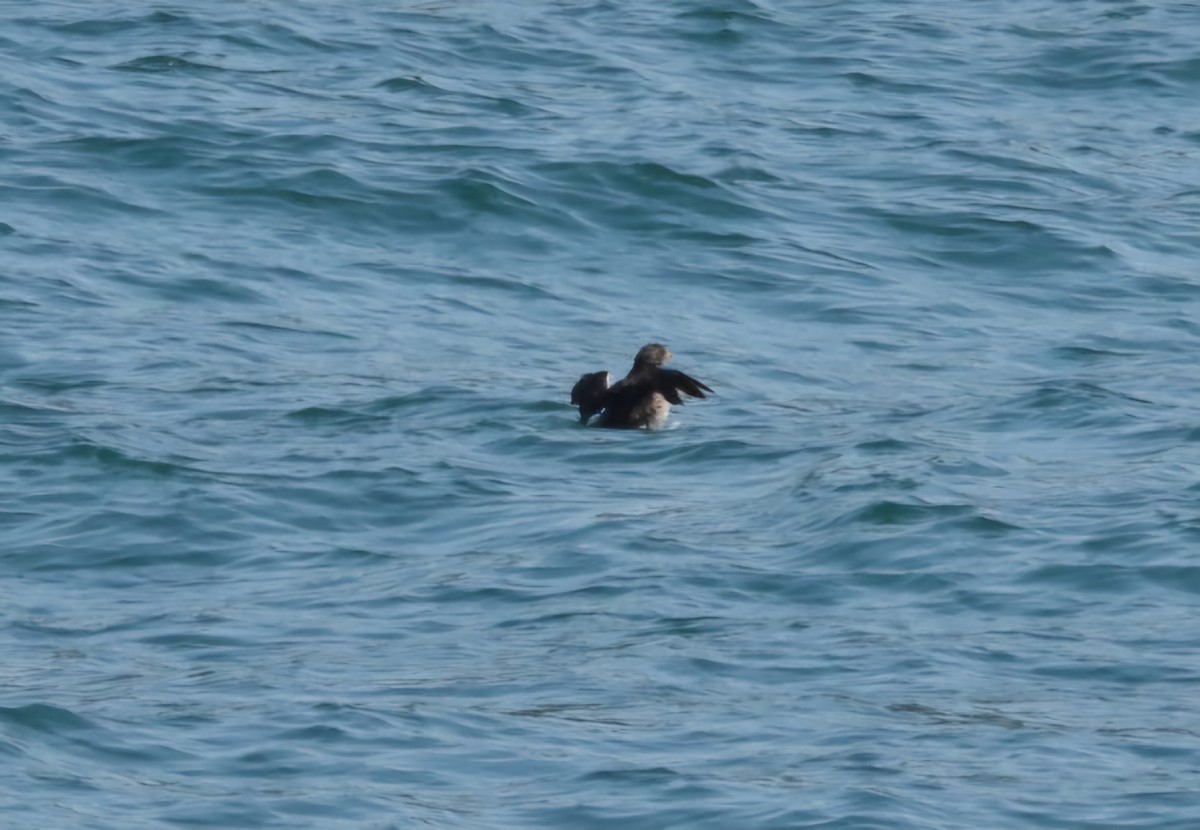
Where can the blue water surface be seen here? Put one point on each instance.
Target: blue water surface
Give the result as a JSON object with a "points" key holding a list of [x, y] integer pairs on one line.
{"points": [[298, 528]]}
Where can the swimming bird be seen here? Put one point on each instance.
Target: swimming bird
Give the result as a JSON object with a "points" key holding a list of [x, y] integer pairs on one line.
{"points": [[642, 398]]}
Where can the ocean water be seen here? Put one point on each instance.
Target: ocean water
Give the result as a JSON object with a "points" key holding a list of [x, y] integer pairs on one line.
{"points": [[298, 528]]}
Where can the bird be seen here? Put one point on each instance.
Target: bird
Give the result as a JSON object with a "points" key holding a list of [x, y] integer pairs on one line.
{"points": [[642, 399]]}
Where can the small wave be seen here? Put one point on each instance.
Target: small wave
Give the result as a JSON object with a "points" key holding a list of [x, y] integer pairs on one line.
{"points": [[409, 84], [163, 63], [114, 26], [42, 717]]}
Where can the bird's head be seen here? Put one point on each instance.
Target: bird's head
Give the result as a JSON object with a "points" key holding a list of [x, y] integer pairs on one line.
{"points": [[652, 354]]}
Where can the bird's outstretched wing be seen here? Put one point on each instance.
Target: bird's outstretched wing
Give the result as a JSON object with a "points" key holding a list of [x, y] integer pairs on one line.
{"points": [[670, 382], [590, 394]]}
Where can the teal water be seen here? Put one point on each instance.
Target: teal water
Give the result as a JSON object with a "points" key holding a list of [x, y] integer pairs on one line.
{"points": [[297, 527]]}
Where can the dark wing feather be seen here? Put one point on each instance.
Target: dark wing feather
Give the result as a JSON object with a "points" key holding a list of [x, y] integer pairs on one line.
{"points": [[671, 382], [590, 388], [590, 394]]}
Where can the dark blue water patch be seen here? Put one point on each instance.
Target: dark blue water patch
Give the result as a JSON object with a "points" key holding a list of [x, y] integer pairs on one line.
{"points": [[1007, 244], [1088, 578], [144, 152], [264, 37], [110, 26], [476, 101], [162, 63], [44, 718], [1179, 577], [1090, 67], [410, 84], [1117, 674], [91, 203], [637, 196]]}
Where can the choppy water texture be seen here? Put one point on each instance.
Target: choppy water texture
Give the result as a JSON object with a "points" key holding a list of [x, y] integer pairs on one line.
{"points": [[299, 531]]}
